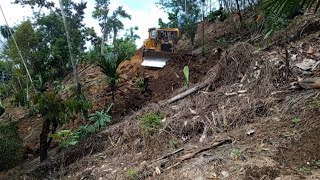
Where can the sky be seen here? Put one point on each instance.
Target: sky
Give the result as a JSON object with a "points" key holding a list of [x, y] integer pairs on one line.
{"points": [[144, 14]]}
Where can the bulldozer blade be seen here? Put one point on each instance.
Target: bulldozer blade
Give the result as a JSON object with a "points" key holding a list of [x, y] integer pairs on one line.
{"points": [[155, 59]]}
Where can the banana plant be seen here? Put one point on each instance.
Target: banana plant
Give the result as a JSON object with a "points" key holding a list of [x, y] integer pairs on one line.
{"points": [[186, 76]]}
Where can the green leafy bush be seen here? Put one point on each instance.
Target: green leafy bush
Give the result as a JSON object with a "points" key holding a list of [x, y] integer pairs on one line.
{"points": [[77, 105], [20, 98], [85, 131], [52, 107], [150, 122], [218, 14], [100, 119], [10, 146], [65, 138]]}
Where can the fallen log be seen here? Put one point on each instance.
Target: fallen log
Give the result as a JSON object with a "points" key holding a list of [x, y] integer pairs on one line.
{"points": [[188, 92], [208, 82]]}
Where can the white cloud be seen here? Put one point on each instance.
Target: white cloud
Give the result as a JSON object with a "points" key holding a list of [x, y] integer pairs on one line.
{"points": [[14, 13], [144, 19]]}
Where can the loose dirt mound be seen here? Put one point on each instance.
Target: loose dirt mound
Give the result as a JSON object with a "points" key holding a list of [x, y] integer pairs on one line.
{"points": [[161, 82]]}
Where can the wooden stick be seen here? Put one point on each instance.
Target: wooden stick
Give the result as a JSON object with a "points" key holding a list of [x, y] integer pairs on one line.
{"points": [[170, 154], [214, 145], [191, 155]]}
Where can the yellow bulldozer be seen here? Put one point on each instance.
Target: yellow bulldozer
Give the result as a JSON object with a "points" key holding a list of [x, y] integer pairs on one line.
{"points": [[160, 46]]}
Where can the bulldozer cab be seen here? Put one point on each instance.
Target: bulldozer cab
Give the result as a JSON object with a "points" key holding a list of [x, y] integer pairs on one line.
{"points": [[159, 46], [153, 33], [167, 38]]}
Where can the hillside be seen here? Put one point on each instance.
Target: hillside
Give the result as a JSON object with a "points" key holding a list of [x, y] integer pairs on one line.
{"points": [[248, 122]]}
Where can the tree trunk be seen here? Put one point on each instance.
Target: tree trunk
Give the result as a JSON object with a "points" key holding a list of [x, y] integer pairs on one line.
{"points": [[287, 65], [185, 7], [19, 52], [203, 49], [74, 65], [103, 35], [44, 146], [113, 98], [53, 130], [239, 11], [115, 33], [226, 4]]}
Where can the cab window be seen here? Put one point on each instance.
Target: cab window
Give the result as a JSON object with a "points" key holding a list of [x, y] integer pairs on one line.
{"points": [[153, 34]]}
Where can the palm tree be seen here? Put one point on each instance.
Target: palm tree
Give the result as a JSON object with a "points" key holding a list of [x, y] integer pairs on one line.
{"points": [[130, 34], [101, 13], [109, 23], [109, 64], [115, 23], [289, 6]]}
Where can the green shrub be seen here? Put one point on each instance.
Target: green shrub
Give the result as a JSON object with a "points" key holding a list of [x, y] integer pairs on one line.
{"points": [[314, 104], [132, 174], [86, 130], [236, 153], [150, 122], [296, 121], [139, 83], [10, 146], [218, 14], [79, 104], [100, 119], [65, 138], [20, 98]]}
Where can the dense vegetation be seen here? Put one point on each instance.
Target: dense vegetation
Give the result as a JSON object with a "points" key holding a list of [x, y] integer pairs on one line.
{"points": [[10, 146]]}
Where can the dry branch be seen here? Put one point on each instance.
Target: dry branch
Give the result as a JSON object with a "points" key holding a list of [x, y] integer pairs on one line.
{"points": [[214, 145], [170, 154], [191, 155]]}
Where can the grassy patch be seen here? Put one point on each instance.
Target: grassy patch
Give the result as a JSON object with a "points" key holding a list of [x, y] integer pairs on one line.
{"points": [[132, 174], [150, 122]]}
